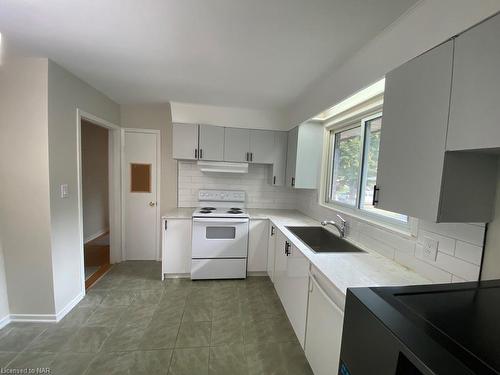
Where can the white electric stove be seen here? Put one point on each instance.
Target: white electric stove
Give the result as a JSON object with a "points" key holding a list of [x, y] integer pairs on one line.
{"points": [[220, 236]]}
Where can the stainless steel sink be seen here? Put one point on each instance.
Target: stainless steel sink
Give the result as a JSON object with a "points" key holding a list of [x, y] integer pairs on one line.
{"points": [[321, 240]]}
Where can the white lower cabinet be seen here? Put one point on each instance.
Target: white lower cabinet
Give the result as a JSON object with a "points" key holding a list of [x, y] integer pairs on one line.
{"points": [[291, 283], [271, 248], [257, 245], [324, 330], [176, 247]]}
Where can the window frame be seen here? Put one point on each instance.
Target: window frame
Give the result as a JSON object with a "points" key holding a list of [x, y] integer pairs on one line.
{"points": [[350, 119]]}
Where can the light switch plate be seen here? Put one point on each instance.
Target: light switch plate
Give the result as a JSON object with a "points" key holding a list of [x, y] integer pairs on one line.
{"points": [[429, 251], [64, 191]]}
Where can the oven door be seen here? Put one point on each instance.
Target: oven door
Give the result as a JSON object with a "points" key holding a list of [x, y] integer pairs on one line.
{"points": [[220, 238]]}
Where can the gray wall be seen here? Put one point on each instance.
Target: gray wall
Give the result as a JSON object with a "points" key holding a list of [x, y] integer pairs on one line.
{"points": [[66, 93], [95, 186], [491, 261], [24, 205], [4, 298]]}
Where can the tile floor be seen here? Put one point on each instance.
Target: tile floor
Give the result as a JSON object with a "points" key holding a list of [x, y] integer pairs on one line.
{"points": [[132, 323]]}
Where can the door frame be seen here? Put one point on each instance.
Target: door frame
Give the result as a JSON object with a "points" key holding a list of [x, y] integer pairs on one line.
{"points": [[114, 187], [158, 185]]}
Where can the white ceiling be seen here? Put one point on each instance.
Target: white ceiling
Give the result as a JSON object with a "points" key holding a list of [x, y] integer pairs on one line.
{"points": [[247, 53]]}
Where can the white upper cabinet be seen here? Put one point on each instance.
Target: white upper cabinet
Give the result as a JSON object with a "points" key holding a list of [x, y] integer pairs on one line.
{"points": [[236, 145], [185, 141], [211, 143], [475, 99], [305, 144], [262, 146], [291, 156], [415, 175], [279, 158]]}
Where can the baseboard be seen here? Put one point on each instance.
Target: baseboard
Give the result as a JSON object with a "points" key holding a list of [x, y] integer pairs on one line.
{"points": [[66, 309], [4, 321], [92, 237], [176, 275], [33, 318], [257, 273], [42, 318]]}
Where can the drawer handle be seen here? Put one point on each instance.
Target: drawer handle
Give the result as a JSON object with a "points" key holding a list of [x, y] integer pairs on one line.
{"points": [[375, 195]]}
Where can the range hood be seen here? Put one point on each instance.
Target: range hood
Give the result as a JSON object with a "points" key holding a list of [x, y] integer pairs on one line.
{"points": [[222, 167]]}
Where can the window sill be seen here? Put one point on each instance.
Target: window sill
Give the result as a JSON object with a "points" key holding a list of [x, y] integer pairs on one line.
{"points": [[409, 232]]}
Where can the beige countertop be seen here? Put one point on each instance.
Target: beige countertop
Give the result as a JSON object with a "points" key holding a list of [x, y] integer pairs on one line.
{"points": [[178, 213]]}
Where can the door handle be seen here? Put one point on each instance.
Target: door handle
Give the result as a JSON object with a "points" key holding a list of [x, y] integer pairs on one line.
{"points": [[375, 197], [152, 204]]}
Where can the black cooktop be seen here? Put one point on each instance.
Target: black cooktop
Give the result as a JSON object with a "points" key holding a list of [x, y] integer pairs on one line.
{"points": [[464, 318]]}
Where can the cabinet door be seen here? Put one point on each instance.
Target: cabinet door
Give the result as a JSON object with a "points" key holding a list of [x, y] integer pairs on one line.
{"points": [[475, 95], [261, 146], [211, 143], [176, 247], [280, 263], [296, 291], [291, 156], [257, 246], [324, 331], [279, 158], [185, 141], [413, 135], [308, 155], [236, 144], [271, 249]]}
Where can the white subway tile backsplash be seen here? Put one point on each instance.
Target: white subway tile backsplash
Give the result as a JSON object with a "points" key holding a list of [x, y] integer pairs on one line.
{"points": [[468, 252], [472, 233], [456, 266], [445, 244], [434, 274], [259, 193]]}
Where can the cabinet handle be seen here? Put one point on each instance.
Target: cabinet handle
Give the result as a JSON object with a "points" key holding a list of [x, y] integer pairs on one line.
{"points": [[165, 224], [247, 157], [196, 153], [293, 181], [251, 156], [201, 153], [272, 230], [274, 180], [375, 195], [287, 248]]}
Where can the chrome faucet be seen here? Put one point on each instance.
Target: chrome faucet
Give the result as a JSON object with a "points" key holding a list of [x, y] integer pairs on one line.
{"points": [[342, 227]]}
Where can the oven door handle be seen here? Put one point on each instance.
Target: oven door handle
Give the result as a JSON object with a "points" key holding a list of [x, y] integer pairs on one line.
{"points": [[220, 220]]}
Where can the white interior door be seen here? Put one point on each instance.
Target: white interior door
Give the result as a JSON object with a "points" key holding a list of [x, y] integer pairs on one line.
{"points": [[141, 216]]}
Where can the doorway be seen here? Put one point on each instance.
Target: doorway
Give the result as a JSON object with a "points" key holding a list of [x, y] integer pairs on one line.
{"points": [[99, 162], [95, 200]]}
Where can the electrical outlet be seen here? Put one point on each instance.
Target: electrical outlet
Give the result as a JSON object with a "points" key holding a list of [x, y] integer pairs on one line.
{"points": [[429, 251]]}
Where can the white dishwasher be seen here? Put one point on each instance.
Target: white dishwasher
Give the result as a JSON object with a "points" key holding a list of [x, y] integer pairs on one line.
{"points": [[324, 327]]}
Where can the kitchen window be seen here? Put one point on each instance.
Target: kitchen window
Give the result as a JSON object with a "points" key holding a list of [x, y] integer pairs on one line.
{"points": [[352, 167]]}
